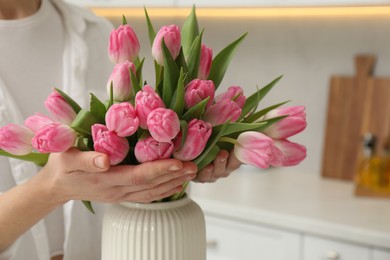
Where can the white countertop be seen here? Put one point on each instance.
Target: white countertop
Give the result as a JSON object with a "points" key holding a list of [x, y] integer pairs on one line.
{"points": [[300, 202]]}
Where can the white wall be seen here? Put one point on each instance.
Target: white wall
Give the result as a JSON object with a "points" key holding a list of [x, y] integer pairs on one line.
{"points": [[307, 51]]}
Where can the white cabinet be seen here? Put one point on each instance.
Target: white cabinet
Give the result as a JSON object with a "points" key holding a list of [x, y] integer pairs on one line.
{"points": [[380, 254], [234, 240], [315, 248]]}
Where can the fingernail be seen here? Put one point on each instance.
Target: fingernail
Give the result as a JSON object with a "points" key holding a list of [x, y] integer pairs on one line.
{"points": [[174, 168], [189, 171], [223, 159], [99, 162]]}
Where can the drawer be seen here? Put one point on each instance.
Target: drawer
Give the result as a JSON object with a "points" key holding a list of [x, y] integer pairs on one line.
{"points": [[315, 248], [235, 240]]}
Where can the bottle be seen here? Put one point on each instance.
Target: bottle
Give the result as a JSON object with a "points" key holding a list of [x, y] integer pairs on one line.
{"points": [[370, 169]]}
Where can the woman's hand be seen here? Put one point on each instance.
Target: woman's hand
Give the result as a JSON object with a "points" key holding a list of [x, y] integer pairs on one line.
{"points": [[221, 167], [88, 176]]}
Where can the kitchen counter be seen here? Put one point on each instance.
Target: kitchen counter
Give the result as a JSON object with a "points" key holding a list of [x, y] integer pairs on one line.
{"points": [[300, 202]]}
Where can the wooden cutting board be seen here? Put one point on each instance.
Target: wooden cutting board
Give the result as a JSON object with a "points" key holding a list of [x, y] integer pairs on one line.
{"points": [[356, 105]]}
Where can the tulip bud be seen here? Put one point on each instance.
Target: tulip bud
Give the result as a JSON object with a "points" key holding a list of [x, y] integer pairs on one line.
{"points": [[16, 139], [146, 101], [293, 124], [124, 44], [198, 134], [163, 124], [171, 35], [198, 90], [291, 153], [234, 93], [206, 58], [55, 137], [149, 149], [37, 121], [59, 109], [121, 81], [108, 142], [257, 149], [221, 112], [122, 119]]}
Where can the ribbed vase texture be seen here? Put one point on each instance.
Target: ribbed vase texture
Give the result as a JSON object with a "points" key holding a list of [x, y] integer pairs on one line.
{"points": [[158, 231]]}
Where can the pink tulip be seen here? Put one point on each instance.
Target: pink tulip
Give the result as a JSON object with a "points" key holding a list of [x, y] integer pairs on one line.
{"points": [[55, 137], [146, 101], [221, 112], [291, 125], [122, 119], [256, 149], [149, 149], [198, 90], [163, 124], [292, 153], [16, 139], [234, 93], [37, 121], [206, 58], [121, 81], [171, 35], [124, 44], [59, 108], [197, 136], [108, 142]]}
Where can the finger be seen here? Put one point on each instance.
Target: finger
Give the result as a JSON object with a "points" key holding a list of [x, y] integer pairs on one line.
{"points": [[75, 160], [205, 174], [147, 174], [232, 163], [220, 165], [162, 191]]}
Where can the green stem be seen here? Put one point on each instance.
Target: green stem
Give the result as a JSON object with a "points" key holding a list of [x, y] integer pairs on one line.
{"points": [[227, 140], [37, 158]]}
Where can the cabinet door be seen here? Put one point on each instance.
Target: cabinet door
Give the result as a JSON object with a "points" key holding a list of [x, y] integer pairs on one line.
{"points": [[233, 240], [315, 248], [380, 254]]}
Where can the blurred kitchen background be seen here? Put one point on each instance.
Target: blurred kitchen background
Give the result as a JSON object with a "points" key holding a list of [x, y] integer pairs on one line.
{"points": [[292, 213]]}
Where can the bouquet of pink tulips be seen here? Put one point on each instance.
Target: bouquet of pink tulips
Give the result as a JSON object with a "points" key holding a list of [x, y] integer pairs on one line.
{"points": [[181, 116]]}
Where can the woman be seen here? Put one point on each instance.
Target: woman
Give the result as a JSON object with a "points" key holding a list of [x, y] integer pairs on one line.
{"points": [[45, 44]]}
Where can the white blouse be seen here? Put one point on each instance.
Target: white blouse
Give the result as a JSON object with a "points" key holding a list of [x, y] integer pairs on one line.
{"points": [[82, 66]]}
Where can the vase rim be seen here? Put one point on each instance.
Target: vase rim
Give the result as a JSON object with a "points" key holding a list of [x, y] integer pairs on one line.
{"points": [[158, 205]]}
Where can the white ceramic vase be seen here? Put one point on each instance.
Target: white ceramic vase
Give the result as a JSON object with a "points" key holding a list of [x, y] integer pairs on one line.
{"points": [[172, 230]]}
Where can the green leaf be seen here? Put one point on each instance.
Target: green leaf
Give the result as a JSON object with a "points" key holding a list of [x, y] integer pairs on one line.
{"points": [[37, 158], [193, 58], [151, 31], [221, 61], [196, 111], [139, 70], [269, 122], [177, 103], [124, 22], [252, 101], [184, 130], [76, 107], [111, 99], [171, 75], [209, 157], [82, 144], [88, 205], [189, 31], [238, 127], [181, 62], [98, 109], [134, 83], [83, 122], [211, 142], [252, 118]]}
